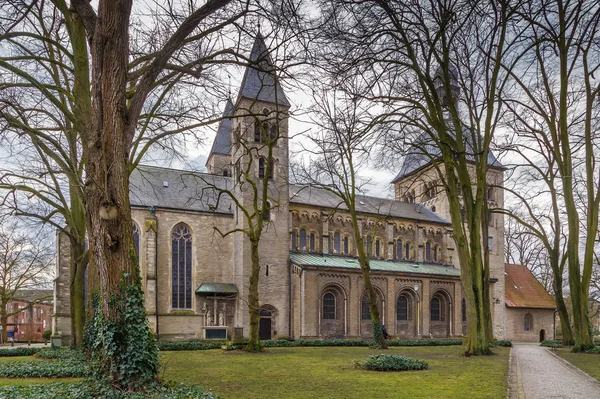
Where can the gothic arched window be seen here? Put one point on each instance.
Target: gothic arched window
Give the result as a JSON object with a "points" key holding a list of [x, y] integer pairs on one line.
{"points": [[407, 251], [369, 245], [428, 251], [329, 306], [528, 325], [377, 248], [346, 246], [365, 312], [313, 240], [181, 262], [399, 249]]}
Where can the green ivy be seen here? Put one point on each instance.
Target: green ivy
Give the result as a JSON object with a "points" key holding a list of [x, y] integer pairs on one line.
{"points": [[44, 369], [59, 353], [123, 352], [595, 350], [391, 363], [86, 391], [19, 352]]}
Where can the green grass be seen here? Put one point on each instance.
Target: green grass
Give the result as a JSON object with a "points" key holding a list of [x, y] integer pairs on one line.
{"points": [[588, 362], [302, 373], [33, 381]]}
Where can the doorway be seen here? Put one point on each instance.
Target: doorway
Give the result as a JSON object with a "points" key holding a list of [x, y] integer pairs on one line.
{"points": [[265, 326], [542, 335]]}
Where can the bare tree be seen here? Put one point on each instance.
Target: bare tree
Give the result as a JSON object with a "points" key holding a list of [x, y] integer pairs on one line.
{"points": [[415, 58], [555, 104], [338, 152], [25, 263]]}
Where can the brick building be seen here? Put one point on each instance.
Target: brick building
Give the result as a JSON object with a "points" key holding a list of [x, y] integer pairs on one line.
{"points": [[34, 318], [196, 281]]}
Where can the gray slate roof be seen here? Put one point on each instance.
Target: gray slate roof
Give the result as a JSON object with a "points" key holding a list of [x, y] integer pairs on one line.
{"points": [[222, 143], [306, 195], [185, 190], [193, 191], [346, 262], [260, 81], [425, 151]]}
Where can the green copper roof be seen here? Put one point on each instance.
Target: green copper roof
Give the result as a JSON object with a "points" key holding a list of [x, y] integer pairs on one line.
{"points": [[217, 288], [343, 262]]}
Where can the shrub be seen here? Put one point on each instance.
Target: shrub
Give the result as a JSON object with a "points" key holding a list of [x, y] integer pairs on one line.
{"points": [[46, 335], [84, 390], [595, 350], [551, 344], [44, 369], [391, 363], [59, 353], [188, 346], [19, 352], [502, 342]]}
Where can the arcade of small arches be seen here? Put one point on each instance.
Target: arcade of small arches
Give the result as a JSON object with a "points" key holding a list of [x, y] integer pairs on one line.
{"points": [[407, 319]]}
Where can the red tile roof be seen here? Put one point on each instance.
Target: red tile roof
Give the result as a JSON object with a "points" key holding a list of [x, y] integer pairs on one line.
{"points": [[522, 290]]}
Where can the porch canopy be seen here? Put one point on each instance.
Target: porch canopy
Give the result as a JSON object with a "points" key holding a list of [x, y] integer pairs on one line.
{"points": [[217, 289]]}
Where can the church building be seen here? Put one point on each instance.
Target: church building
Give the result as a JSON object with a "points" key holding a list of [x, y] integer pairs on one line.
{"points": [[196, 278]]}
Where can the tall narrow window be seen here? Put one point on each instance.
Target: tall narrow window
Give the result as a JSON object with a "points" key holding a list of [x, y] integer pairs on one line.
{"points": [[364, 308], [377, 248], [258, 137], [136, 240], [302, 240], [402, 308], [346, 246], [181, 258], [435, 309], [336, 242], [312, 242], [329, 306], [369, 242], [407, 251], [490, 243], [273, 132], [428, 251], [528, 322], [399, 249], [261, 168], [435, 253]]}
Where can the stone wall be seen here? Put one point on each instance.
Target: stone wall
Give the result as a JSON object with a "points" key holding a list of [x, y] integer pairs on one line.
{"points": [[543, 319]]}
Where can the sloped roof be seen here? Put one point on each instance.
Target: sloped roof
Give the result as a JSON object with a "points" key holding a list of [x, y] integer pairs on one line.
{"points": [[347, 262], [222, 143], [425, 151], [178, 189], [185, 190], [522, 290], [306, 195], [260, 81], [34, 295]]}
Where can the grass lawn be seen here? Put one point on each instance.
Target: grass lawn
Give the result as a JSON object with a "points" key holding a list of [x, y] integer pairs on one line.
{"points": [[588, 362], [329, 373]]}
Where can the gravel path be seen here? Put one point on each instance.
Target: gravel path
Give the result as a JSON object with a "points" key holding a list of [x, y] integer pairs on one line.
{"points": [[537, 373]]}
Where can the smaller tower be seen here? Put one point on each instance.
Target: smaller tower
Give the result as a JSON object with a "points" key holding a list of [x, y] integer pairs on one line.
{"points": [[219, 158], [441, 89]]}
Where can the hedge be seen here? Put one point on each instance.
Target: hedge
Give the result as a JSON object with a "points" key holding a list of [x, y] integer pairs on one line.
{"points": [[595, 350], [84, 390], [58, 353], [188, 346], [502, 342], [391, 363], [551, 344], [20, 351]]}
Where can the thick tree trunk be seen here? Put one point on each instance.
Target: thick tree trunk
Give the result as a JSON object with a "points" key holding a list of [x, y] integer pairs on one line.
{"points": [[3, 320], [253, 302]]}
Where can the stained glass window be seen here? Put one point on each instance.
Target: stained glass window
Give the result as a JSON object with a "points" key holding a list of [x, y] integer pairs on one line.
{"points": [[181, 252]]}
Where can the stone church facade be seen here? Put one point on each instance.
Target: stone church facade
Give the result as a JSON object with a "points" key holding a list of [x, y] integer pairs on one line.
{"points": [[196, 279]]}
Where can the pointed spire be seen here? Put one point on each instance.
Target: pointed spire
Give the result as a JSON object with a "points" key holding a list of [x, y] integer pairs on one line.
{"points": [[260, 81], [222, 143]]}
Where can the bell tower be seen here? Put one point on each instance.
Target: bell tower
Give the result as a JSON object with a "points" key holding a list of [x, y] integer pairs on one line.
{"points": [[259, 155]]}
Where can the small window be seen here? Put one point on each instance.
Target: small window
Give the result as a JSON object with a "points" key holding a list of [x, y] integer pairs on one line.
{"points": [[407, 251], [365, 311], [329, 306], [273, 132], [346, 246], [435, 309], [435, 253], [369, 242], [402, 308], [528, 325], [261, 168], [399, 249], [428, 251], [302, 240], [377, 248], [258, 137], [293, 240], [433, 209], [336, 242], [225, 173], [312, 242], [490, 193], [490, 243]]}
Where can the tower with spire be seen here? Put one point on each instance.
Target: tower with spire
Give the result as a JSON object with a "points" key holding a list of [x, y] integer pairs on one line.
{"points": [[253, 127]]}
